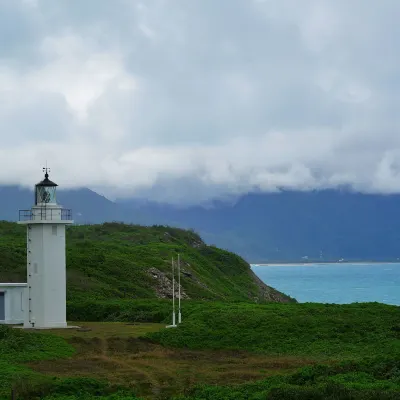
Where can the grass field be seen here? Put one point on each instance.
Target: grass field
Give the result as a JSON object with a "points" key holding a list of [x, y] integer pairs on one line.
{"points": [[111, 351], [321, 331], [104, 330], [231, 352]]}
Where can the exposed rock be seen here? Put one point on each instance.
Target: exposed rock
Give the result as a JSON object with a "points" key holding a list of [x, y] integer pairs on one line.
{"points": [[270, 294], [164, 285]]}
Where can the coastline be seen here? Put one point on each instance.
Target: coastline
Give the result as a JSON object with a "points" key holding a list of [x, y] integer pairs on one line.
{"points": [[300, 264]]}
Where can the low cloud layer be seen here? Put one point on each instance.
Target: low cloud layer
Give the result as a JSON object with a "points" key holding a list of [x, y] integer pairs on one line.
{"points": [[186, 100]]}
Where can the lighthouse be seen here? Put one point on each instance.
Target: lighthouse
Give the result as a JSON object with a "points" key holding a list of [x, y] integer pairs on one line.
{"points": [[45, 295]]}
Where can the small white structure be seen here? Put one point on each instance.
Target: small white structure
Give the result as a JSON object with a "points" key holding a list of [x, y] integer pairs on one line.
{"points": [[12, 303], [45, 302]]}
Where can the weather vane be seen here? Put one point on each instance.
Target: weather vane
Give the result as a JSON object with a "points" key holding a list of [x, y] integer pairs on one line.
{"points": [[46, 170]]}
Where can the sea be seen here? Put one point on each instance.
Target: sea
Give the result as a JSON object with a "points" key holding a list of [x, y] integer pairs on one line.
{"points": [[334, 283]]}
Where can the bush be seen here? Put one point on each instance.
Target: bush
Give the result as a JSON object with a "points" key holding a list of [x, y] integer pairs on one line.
{"points": [[315, 331]]}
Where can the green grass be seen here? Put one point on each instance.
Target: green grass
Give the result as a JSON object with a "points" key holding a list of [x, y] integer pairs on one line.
{"points": [[102, 330], [140, 310], [353, 352], [17, 347], [372, 379], [359, 342], [111, 261], [88, 396], [315, 330]]}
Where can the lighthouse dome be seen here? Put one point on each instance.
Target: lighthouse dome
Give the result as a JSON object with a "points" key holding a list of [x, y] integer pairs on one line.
{"points": [[45, 190]]}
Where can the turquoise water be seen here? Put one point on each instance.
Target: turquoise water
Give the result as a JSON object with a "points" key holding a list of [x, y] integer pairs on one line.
{"points": [[335, 283]]}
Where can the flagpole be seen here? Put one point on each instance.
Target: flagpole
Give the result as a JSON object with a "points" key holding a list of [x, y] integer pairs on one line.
{"points": [[179, 290], [173, 297], [173, 293]]}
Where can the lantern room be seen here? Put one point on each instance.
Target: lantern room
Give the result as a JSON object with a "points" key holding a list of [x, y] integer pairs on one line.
{"points": [[45, 191]]}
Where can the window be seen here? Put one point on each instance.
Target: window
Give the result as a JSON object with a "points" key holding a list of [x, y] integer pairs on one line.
{"points": [[54, 230], [45, 194], [2, 307], [35, 268]]}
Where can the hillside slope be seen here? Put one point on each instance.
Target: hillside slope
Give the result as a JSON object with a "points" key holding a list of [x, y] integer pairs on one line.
{"points": [[115, 260]]}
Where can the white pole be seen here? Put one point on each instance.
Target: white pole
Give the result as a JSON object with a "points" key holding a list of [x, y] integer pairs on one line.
{"points": [[173, 293], [179, 290]]}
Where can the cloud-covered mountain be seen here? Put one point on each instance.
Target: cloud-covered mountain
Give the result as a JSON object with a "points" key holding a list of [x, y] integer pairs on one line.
{"points": [[286, 226]]}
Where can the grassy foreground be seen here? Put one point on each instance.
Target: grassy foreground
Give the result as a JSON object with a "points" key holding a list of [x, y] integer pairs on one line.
{"points": [[322, 331], [221, 351]]}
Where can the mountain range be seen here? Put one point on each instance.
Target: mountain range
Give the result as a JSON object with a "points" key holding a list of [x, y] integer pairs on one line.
{"points": [[286, 226]]}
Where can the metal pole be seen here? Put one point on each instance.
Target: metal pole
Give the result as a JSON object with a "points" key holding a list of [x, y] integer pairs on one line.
{"points": [[179, 290], [173, 293]]}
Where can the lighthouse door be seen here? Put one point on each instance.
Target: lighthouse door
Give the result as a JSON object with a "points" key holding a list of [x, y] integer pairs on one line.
{"points": [[2, 307]]}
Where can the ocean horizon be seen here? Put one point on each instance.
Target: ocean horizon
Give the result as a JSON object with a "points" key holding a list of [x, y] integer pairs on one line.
{"points": [[336, 283]]}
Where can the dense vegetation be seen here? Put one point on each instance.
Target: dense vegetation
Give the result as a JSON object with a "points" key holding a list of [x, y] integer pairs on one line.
{"points": [[349, 352], [17, 346], [320, 331], [372, 379], [142, 310], [360, 344], [112, 261], [346, 352]]}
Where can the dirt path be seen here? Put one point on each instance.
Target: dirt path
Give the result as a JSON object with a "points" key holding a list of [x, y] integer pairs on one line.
{"points": [[157, 369], [151, 369]]}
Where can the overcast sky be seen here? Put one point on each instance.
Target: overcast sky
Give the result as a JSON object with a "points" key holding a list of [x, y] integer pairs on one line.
{"points": [[191, 99]]}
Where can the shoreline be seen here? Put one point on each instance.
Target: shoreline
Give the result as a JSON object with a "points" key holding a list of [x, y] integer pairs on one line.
{"points": [[300, 264]]}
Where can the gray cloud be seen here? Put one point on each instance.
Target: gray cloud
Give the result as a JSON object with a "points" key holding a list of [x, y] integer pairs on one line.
{"points": [[189, 100]]}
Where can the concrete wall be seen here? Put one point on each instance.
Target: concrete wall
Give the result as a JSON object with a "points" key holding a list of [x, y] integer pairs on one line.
{"points": [[14, 302], [46, 276]]}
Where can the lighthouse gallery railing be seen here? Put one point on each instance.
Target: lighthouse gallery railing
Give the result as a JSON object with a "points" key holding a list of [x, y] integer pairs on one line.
{"points": [[46, 214]]}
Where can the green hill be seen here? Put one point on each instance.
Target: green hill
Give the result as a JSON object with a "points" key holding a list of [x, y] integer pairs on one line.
{"points": [[117, 261]]}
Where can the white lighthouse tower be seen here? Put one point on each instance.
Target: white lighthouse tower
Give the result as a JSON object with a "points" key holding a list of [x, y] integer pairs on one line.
{"points": [[45, 305]]}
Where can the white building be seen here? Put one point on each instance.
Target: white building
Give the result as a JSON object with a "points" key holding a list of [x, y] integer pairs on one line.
{"points": [[45, 300], [12, 303]]}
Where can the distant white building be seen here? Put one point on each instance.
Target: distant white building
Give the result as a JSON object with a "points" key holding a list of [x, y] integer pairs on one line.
{"points": [[41, 302], [12, 303]]}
